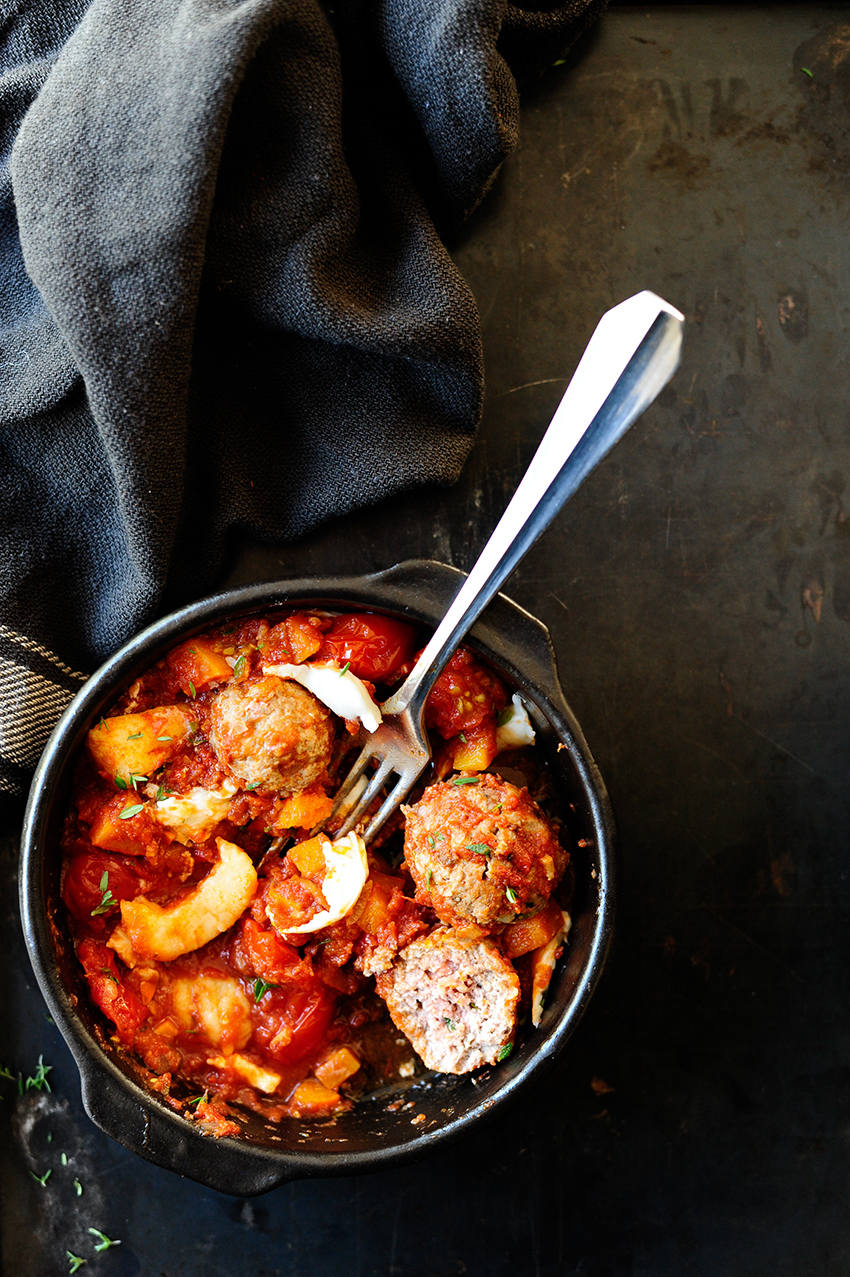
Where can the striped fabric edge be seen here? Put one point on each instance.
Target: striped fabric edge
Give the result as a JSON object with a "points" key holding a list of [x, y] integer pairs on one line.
{"points": [[30, 645], [36, 687]]}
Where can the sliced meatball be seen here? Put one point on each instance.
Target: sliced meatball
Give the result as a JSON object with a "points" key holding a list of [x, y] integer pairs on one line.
{"points": [[480, 850], [454, 998], [272, 733]]}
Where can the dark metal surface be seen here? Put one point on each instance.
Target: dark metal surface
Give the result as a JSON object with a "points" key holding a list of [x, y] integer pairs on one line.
{"points": [[698, 593]]}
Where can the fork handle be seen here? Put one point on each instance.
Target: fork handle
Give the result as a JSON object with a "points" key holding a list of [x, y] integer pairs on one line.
{"points": [[631, 356]]}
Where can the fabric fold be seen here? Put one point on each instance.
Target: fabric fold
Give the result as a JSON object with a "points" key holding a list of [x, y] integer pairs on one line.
{"points": [[237, 308]]}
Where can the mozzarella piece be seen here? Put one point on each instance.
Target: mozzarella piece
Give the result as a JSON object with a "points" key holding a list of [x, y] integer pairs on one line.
{"points": [[516, 730], [346, 871], [193, 816], [147, 930], [343, 692]]}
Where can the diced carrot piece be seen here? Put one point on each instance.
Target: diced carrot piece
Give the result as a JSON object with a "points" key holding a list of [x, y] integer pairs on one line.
{"points": [[130, 836], [532, 933], [272, 959], [304, 810], [137, 744], [304, 639], [312, 1096], [308, 857], [338, 1065], [197, 664], [477, 751]]}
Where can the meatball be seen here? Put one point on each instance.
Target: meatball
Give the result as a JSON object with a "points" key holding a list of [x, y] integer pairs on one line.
{"points": [[454, 998], [480, 850], [271, 732]]}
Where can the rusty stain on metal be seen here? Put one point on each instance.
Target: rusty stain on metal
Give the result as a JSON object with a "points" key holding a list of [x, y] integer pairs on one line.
{"points": [[813, 598]]}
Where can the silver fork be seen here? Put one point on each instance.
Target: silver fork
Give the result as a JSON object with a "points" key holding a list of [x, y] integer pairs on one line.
{"points": [[631, 356]]}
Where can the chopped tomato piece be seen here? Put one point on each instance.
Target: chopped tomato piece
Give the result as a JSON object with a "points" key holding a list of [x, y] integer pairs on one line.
{"points": [[295, 1022], [271, 958], [119, 1003], [81, 889], [464, 695], [373, 647]]}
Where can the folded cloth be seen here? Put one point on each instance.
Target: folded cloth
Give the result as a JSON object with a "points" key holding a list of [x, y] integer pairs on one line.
{"points": [[226, 301]]}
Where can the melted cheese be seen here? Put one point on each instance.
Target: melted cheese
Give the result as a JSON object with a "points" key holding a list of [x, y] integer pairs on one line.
{"points": [[343, 692], [516, 730], [346, 871], [193, 816]]}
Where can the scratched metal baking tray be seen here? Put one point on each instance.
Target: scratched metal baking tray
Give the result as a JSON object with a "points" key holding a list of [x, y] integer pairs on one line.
{"points": [[698, 594]]}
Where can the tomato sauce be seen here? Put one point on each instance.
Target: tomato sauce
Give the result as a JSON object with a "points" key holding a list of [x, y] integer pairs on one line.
{"points": [[206, 917]]}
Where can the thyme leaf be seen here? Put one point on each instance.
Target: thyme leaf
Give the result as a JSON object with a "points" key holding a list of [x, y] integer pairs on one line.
{"points": [[103, 1242], [39, 1080], [261, 988], [107, 900]]}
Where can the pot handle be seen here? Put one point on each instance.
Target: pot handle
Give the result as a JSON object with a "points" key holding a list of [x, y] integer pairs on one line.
{"points": [[142, 1126]]}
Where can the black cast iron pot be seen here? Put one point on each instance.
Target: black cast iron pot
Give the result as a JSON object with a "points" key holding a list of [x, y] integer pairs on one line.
{"points": [[373, 1136]]}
